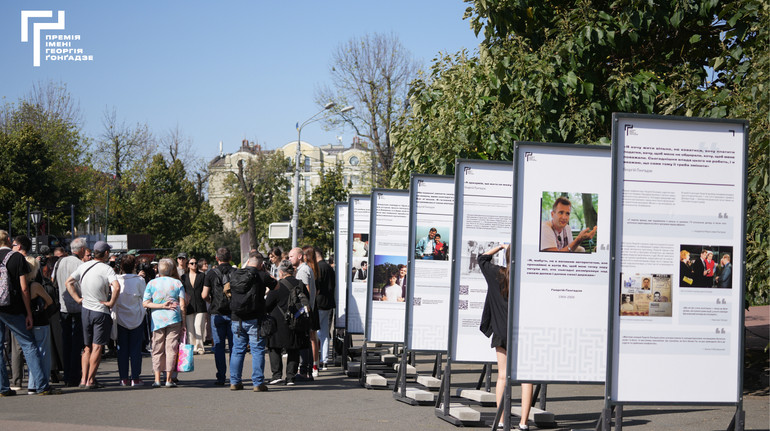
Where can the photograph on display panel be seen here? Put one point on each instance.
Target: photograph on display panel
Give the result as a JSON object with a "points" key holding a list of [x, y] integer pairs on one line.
{"points": [[432, 243], [705, 266], [568, 222], [389, 282], [646, 295]]}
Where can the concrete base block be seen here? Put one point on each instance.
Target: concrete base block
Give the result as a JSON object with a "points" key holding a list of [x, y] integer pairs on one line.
{"points": [[535, 414], [376, 380], [419, 395], [410, 370], [388, 358], [429, 382], [354, 369], [463, 412], [479, 396]]}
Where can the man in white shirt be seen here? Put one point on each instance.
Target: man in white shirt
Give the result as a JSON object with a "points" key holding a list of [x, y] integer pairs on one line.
{"points": [[556, 234], [95, 278]]}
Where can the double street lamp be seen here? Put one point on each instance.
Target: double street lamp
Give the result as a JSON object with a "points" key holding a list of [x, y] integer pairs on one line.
{"points": [[314, 118]]}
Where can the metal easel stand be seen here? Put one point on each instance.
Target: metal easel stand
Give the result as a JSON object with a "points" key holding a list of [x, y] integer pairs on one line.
{"points": [[737, 423]]}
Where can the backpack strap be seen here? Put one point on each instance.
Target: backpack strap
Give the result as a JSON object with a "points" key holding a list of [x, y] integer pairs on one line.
{"points": [[7, 257]]}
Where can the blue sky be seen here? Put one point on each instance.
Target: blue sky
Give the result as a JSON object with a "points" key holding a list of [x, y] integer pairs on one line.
{"points": [[221, 71]]}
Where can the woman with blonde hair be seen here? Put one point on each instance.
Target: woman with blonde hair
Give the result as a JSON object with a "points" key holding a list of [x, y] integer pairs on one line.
{"points": [[686, 273]]}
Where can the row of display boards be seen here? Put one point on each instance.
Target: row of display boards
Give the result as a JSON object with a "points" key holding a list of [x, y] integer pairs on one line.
{"points": [[647, 281]]}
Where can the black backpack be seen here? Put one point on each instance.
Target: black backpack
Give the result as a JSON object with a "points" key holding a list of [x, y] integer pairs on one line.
{"points": [[243, 300], [297, 313], [220, 298]]}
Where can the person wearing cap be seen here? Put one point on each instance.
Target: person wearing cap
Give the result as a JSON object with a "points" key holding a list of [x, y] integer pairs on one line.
{"points": [[181, 264], [100, 289]]}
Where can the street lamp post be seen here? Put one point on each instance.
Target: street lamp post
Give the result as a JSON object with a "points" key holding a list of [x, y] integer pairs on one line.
{"points": [[295, 214]]}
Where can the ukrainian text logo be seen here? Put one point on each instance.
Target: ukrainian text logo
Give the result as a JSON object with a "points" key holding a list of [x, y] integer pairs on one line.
{"points": [[50, 46]]}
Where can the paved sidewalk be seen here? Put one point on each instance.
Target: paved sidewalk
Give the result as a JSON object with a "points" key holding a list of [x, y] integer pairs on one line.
{"points": [[333, 402]]}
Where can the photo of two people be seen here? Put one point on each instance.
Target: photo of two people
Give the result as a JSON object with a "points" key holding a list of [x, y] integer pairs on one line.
{"points": [[431, 244], [389, 282]]}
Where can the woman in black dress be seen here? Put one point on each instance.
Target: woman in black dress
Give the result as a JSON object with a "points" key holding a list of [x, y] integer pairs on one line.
{"points": [[494, 323]]}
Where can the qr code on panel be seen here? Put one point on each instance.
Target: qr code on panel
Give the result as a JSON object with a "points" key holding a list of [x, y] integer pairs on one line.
{"points": [[417, 301], [463, 304], [463, 289]]}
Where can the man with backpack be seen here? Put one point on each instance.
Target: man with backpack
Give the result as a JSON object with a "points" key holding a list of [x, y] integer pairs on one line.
{"points": [[216, 290], [16, 315], [247, 306]]}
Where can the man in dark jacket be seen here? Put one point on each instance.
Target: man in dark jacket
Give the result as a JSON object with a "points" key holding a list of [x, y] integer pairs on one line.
{"points": [[248, 305], [221, 324], [17, 316]]}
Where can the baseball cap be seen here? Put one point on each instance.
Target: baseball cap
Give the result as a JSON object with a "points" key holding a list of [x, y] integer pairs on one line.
{"points": [[102, 246]]}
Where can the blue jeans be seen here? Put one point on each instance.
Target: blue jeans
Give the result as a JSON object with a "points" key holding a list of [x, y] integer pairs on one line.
{"points": [[221, 330], [324, 317], [42, 342], [26, 339], [130, 349], [248, 336]]}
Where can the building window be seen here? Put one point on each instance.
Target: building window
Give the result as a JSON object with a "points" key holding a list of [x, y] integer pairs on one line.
{"points": [[354, 161], [307, 164]]}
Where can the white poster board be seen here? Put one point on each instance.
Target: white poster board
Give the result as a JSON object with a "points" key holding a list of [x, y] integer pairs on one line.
{"points": [[429, 278], [341, 259], [677, 322], [561, 254], [358, 257], [388, 246], [483, 205]]}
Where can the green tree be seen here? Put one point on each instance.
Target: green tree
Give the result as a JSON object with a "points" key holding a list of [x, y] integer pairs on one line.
{"points": [[316, 215], [260, 188], [165, 205], [44, 165], [555, 71]]}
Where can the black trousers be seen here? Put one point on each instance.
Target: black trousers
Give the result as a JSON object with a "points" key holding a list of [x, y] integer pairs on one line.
{"points": [[276, 363]]}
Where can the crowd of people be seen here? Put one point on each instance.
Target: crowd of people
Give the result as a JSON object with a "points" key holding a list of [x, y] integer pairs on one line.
{"points": [[62, 312]]}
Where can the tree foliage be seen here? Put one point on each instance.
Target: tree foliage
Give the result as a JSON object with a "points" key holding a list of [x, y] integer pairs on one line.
{"points": [[265, 185], [166, 206], [44, 157], [555, 71], [316, 214], [372, 74]]}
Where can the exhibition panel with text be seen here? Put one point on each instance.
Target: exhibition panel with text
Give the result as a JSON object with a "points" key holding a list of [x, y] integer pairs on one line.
{"points": [[358, 257], [430, 271], [388, 245], [483, 204], [678, 310]]}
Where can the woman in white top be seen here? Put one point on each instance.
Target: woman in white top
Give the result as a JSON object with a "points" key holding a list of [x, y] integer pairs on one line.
{"points": [[129, 315]]}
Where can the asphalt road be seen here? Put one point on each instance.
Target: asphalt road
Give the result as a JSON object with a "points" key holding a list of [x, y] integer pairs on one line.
{"points": [[332, 402]]}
